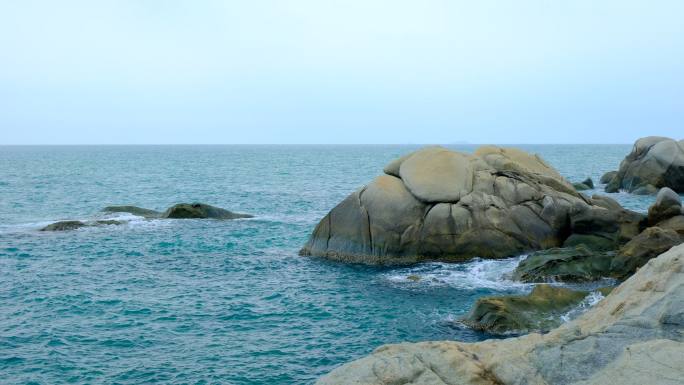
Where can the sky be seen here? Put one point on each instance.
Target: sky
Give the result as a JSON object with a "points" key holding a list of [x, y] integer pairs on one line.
{"points": [[354, 71]]}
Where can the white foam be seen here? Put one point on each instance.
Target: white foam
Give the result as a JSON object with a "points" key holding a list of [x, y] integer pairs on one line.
{"points": [[479, 273], [590, 300]]}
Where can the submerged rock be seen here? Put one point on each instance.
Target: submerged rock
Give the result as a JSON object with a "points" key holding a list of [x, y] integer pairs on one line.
{"points": [[437, 204], [634, 336], [575, 264], [654, 162], [139, 211], [200, 211], [541, 310], [73, 225], [63, 226]]}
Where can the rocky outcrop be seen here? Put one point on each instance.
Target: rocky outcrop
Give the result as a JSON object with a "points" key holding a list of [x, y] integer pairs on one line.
{"points": [[200, 211], [654, 162], [138, 211], [181, 211], [73, 225], [437, 204], [634, 336], [573, 264], [667, 205], [540, 310]]}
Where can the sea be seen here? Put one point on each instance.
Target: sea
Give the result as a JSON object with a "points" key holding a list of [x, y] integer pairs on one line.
{"points": [[218, 301]]}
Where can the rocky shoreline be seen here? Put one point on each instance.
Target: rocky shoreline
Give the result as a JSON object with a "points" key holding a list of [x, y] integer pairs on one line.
{"points": [[633, 336], [439, 205]]}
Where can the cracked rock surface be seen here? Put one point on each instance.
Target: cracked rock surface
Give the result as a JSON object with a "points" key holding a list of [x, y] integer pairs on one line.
{"points": [[438, 204], [633, 336]]}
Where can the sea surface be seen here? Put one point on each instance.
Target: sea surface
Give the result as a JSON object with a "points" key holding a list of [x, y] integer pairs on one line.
{"points": [[216, 302]]}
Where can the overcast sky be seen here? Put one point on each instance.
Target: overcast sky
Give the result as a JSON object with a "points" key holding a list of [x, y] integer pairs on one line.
{"points": [[315, 71]]}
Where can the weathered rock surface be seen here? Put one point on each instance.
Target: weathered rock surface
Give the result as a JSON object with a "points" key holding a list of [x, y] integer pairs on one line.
{"points": [[573, 264], [200, 211], [73, 225], [139, 211], [634, 336], [667, 205], [650, 243], [654, 162], [436, 204], [538, 311], [607, 177]]}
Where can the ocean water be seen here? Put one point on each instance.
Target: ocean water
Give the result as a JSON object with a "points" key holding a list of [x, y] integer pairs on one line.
{"points": [[216, 302]]}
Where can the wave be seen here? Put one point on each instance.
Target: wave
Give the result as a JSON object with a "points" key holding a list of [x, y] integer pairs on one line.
{"points": [[478, 273]]}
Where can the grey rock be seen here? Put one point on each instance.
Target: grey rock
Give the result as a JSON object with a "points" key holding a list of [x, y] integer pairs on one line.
{"points": [[667, 205], [645, 246], [139, 211], [436, 204], [607, 177], [634, 336], [654, 162], [73, 225], [200, 211], [573, 264], [64, 226]]}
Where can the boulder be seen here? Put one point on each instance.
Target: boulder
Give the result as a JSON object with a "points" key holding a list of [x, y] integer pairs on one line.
{"points": [[437, 204], [667, 205], [541, 310], [674, 223], [575, 264], [581, 186], [654, 162], [650, 243], [634, 336], [607, 177], [200, 211], [138, 211]]}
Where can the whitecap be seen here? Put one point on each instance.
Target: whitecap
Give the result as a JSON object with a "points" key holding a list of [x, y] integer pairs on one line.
{"points": [[478, 273]]}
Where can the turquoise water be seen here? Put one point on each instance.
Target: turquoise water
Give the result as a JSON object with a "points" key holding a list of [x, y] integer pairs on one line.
{"points": [[215, 302]]}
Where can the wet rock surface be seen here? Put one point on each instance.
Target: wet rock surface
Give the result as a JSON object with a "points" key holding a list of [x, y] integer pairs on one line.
{"points": [[634, 336]]}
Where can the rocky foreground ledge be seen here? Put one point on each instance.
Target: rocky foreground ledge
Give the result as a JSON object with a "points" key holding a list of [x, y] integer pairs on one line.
{"points": [[633, 336]]}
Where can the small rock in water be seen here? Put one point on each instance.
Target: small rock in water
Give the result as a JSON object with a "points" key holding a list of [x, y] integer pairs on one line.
{"points": [[200, 211], [139, 211], [63, 226], [414, 278]]}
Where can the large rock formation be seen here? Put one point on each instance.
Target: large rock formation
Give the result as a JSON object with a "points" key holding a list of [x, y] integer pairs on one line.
{"points": [[634, 336], [436, 204], [654, 162]]}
